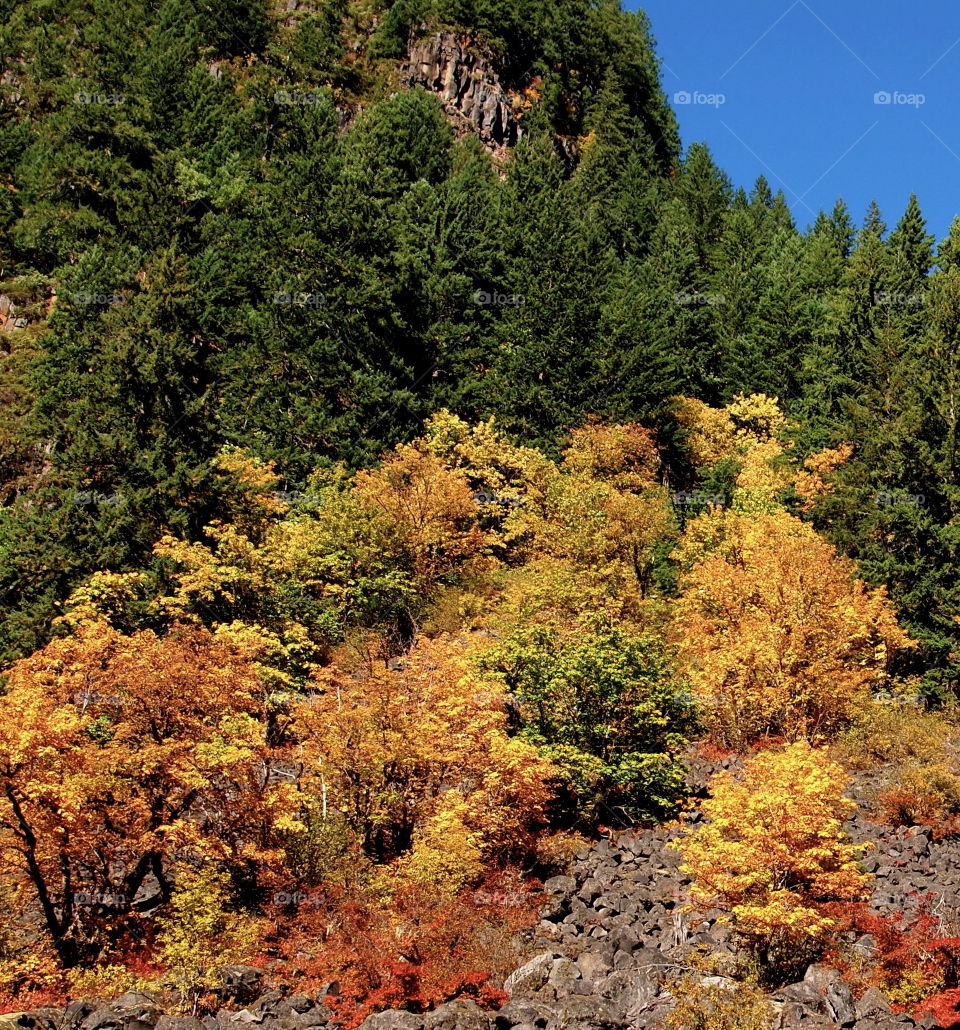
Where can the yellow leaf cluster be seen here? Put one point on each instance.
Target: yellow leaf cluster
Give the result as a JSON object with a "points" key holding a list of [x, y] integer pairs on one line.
{"points": [[810, 481], [773, 851], [393, 749], [774, 630]]}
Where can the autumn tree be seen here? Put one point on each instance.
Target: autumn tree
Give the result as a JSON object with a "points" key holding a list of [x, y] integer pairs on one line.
{"points": [[601, 510], [502, 472], [127, 753], [417, 757], [200, 932], [773, 853], [774, 630], [740, 443], [605, 706], [432, 509]]}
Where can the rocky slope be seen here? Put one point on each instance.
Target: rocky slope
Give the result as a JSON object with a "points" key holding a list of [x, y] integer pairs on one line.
{"points": [[611, 934]]}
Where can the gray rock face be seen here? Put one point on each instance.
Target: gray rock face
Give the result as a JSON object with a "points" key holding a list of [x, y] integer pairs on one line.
{"points": [[240, 983], [467, 83], [457, 1015], [872, 1005], [531, 976]]}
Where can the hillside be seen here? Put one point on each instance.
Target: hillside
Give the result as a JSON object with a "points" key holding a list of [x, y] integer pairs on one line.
{"points": [[418, 471]]}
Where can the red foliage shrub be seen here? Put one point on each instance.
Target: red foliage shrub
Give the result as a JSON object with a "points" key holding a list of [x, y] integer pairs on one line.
{"points": [[944, 828], [413, 953], [915, 962], [23, 1001], [944, 1007]]}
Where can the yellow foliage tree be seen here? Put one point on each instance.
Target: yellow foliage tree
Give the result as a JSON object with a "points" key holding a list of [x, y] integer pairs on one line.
{"points": [[773, 854], [432, 508], [602, 512], [623, 454], [811, 481], [199, 934], [126, 750], [495, 467], [749, 432], [711, 432], [774, 630], [392, 750], [447, 855]]}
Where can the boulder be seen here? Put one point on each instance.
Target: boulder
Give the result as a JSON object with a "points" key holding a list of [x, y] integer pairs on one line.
{"points": [[392, 1020], [240, 983], [457, 1015], [840, 1003], [104, 1017], [531, 976], [873, 1004], [179, 1023], [821, 976], [594, 964], [583, 1011], [803, 994], [525, 1013]]}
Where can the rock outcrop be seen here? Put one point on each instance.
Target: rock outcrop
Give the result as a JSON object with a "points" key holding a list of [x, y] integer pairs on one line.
{"points": [[11, 317], [468, 84]]}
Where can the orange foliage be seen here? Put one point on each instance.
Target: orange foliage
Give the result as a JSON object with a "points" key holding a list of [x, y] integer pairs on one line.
{"points": [[625, 454], [432, 508], [414, 953], [810, 482], [603, 511], [915, 961], [774, 631], [393, 749], [773, 854], [124, 751]]}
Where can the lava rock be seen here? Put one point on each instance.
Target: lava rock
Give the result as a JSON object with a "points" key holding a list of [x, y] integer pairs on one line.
{"points": [[241, 983], [457, 1015], [392, 1020], [531, 976]]}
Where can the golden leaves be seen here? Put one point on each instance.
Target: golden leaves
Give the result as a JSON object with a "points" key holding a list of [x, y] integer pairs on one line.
{"points": [[774, 631], [773, 853]]}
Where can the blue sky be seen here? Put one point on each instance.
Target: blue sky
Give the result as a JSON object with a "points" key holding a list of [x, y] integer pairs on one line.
{"points": [[789, 89]]}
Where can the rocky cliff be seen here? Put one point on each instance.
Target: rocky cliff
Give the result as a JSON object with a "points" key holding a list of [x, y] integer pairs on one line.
{"points": [[468, 84]]}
